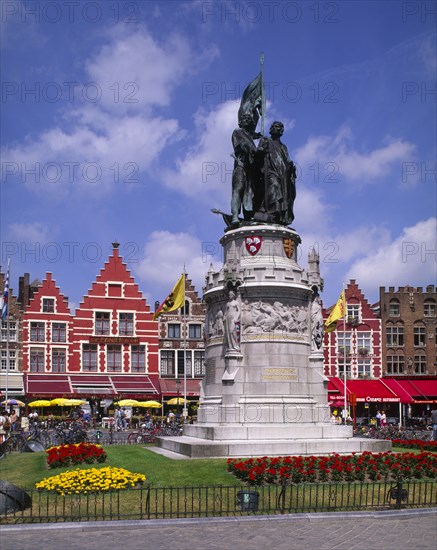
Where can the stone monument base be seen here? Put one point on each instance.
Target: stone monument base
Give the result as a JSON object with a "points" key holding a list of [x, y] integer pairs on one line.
{"points": [[193, 447]]}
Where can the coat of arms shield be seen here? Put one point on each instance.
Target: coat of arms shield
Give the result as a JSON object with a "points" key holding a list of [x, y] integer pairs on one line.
{"points": [[288, 247], [253, 244]]}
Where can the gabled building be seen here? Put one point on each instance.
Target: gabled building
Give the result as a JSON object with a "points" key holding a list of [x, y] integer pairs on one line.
{"points": [[355, 345], [107, 349], [11, 377]]}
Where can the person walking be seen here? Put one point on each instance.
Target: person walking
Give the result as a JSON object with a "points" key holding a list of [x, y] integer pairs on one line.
{"points": [[378, 419], [434, 423], [117, 419]]}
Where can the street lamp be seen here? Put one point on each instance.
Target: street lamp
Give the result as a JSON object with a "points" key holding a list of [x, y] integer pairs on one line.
{"points": [[178, 388]]}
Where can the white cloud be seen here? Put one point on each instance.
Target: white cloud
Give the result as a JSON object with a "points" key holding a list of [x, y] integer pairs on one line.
{"points": [[120, 133], [135, 71], [411, 258], [98, 152], [206, 169], [165, 255], [35, 232], [361, 167]]}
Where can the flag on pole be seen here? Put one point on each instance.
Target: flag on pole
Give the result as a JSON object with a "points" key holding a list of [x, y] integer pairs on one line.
{"points": [[175, 300], [4, 298], [252, 100], [337, 313]]}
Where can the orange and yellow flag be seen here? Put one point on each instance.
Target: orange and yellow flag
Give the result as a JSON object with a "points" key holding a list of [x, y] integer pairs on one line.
{"points": [[337, 313], [175, 300]]}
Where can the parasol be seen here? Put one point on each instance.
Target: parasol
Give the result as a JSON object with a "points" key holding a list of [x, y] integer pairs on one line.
{"points": [[13, 402], [40, 403], [177, 401], [127, 403]]}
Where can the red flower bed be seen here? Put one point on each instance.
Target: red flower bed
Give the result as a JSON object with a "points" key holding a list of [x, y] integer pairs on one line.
{"points": [[335, 468], [69, 455], [415, 444]]}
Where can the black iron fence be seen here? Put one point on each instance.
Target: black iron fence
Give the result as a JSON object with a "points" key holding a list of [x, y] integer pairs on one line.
{"points": [[149, 502]]}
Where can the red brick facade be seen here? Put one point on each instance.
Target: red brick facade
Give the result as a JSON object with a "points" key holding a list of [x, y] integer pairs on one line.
{"points": [[356, 343], [108, 348], [409, 330]]}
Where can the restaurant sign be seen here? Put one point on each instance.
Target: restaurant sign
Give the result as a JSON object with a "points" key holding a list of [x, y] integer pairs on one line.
{"points": [[114, 340]]}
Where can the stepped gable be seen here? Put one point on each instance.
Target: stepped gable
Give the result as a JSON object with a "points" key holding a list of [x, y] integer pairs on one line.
{"points": [[115, 272], [354, 295], [48, 289]]}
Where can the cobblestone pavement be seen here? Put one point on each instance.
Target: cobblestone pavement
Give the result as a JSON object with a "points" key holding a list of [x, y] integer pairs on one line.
{"points": [[407, 529]]}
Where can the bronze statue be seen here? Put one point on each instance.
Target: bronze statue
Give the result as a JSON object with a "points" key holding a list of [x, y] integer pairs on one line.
{"points": [[264, 177], [278, 184], [244, 174]]}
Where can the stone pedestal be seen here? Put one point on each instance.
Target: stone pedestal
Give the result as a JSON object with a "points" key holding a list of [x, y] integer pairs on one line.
{"points": [[264, 391]]}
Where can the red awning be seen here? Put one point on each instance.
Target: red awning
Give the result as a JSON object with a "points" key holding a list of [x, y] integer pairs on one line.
{"points": [[399, 389], [51, 385], [168, 387], [135, 384], [367, 391], [92, 385], [420, 391]]}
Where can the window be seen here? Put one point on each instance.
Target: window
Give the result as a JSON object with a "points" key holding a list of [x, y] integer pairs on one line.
{"points": [[138, 358], [394, 309], [343, 340], [395, 335], [48, 305], [181, 365], [364, 367], [167, 362], [364, 343], [58, 359], [419, 336], [420, 364], [59, 332], [429, 309], [12, 360], [126, 324], [113, 358], [174, 331], [353, 312], [36, 360], [395, 364], [195, 332], [89, 357], [36, 332], [341, 366], [12, 331], [199, 363], [185, 310], [102, 319]]}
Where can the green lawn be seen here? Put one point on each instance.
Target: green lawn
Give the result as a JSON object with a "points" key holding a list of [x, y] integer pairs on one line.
{"points": [[26, 469]]}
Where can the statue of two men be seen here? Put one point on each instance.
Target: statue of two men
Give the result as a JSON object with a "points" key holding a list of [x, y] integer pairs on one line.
{"points": [[264, 177]]}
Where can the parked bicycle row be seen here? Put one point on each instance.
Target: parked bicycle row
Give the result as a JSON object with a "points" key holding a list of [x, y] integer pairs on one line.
{"points": [[393, 432]]}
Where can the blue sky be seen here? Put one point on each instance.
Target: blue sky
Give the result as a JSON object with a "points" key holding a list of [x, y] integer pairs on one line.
{"points": [[117, 120]]}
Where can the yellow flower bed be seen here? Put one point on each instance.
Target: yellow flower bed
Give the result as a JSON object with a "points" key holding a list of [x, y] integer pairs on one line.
{"points": [[92, 480]]}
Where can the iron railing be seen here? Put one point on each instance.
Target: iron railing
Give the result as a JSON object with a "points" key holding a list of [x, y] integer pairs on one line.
{"points": [[150, 502]]}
